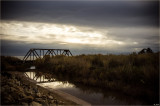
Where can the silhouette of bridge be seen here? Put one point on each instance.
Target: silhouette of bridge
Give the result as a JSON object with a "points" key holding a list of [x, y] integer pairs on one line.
{"points": [[36, 53]]}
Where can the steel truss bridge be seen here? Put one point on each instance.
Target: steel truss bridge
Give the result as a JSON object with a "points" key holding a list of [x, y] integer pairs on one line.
{"points": [[35, 53]]}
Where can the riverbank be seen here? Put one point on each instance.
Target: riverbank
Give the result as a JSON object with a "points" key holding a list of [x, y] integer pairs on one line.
{"points": [[60, 93], [18, 90]]}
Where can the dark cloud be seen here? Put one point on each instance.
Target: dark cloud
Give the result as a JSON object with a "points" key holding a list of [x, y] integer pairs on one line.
{"points": [[91, 13], [13, 48], [114, 15], [17, 48]]}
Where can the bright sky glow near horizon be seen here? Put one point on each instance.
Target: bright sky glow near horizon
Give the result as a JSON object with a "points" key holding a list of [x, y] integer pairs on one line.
{"points": [[81, 26], [48, 33]]}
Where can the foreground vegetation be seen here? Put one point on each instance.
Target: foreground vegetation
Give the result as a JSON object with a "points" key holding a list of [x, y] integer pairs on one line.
{"points": [[135, 75]]}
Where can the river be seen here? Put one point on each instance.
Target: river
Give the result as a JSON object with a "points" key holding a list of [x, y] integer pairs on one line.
{"points": [[94, 96]]}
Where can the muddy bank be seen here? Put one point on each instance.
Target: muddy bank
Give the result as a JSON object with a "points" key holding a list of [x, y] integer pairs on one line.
{"points": [[18, 90], [70, 97]]}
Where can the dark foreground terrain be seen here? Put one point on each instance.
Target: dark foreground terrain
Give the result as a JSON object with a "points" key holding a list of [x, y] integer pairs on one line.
{"points": [[18, 90]]}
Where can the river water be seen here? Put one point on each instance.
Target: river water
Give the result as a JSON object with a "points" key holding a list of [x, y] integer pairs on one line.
{"points": [[91, 95]]}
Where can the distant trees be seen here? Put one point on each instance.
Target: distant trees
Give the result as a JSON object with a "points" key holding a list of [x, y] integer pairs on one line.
{"points": [[148, 50]]}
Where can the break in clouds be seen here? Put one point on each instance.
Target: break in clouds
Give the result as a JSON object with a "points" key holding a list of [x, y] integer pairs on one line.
{"points": [[81, 26]]}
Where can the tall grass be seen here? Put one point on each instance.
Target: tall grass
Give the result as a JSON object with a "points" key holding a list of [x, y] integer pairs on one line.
{"points": [[134, 74]]}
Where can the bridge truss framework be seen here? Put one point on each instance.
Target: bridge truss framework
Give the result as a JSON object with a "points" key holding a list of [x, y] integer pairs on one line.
{"points": [[34, 53]]}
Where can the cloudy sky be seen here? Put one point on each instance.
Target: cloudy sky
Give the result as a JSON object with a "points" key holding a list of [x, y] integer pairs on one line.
{"points": [[84, 27]]}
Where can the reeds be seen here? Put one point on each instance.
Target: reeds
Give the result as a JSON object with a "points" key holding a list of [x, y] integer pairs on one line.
{"points": [[133, 74]]}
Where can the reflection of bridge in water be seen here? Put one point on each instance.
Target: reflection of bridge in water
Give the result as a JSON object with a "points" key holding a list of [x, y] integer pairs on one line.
{"points": [[38, 78]]}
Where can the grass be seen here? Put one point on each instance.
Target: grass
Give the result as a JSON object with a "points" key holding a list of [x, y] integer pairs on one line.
{"points": [[135, 74]]}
